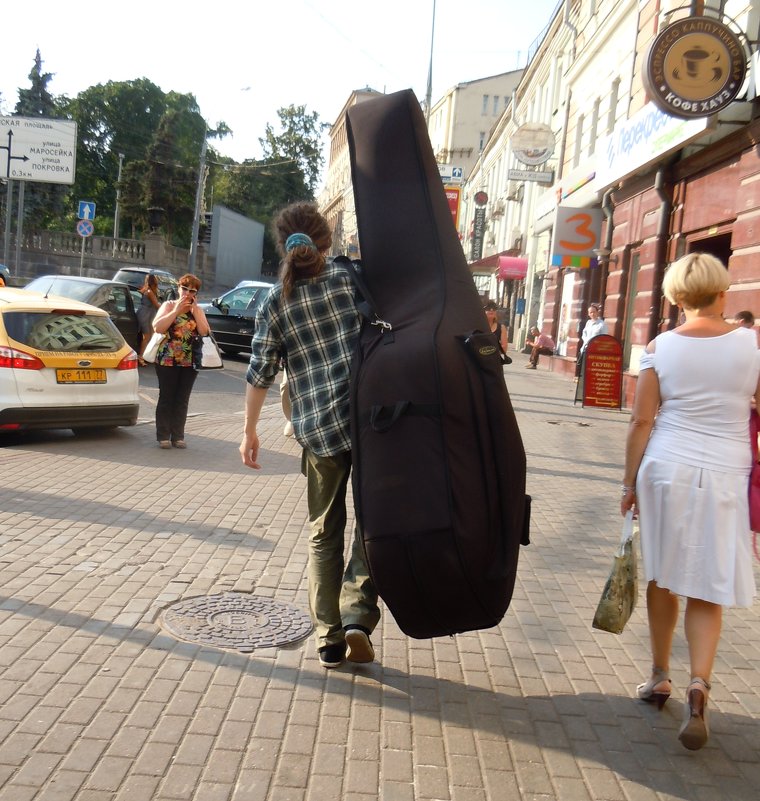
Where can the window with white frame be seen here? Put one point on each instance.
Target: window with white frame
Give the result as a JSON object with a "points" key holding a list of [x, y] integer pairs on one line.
{"points": [[484, 110], [612, 112], [578, 141], [593, 132]]}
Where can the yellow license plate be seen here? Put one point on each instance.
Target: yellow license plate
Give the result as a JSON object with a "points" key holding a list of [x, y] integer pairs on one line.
{"points": [[81, 376]]}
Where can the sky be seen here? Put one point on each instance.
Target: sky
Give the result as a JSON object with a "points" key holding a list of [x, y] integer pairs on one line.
{"points": [[244, 61]]}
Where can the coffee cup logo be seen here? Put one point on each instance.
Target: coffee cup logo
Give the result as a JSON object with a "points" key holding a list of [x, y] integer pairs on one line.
{"points": [[694, 67], [699, 67]]}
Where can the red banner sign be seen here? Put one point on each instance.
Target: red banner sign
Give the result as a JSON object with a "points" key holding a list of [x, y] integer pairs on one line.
{"points": [[452, 196], [603, 373]]}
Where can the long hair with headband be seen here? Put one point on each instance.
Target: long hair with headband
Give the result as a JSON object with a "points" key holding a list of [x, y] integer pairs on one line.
{"points": [[302, 236]]}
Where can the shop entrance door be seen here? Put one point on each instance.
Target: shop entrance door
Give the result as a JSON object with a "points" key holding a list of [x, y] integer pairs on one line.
{"points": [[630, 306]]}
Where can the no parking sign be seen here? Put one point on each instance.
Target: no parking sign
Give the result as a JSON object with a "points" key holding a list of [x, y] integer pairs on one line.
{"points": [[85, 228]]}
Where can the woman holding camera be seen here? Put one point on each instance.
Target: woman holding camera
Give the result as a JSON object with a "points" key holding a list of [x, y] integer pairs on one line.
{"points": [[177, 360]]}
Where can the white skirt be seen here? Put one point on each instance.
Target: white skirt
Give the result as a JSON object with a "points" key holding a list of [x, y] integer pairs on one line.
{"points": [[695, 535]]}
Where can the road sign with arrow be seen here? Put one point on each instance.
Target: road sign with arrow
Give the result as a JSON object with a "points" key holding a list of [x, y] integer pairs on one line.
{"points": [[38, 149]]}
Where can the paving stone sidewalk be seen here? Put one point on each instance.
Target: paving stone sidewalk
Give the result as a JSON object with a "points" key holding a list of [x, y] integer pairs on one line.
{"points": [[99, 703]]}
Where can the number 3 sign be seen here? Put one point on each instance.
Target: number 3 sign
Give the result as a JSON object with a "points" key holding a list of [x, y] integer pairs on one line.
{"points": [[577, 233]]}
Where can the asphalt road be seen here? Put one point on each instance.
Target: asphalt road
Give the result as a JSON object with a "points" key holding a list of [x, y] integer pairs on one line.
{"points": [[216, 392]]}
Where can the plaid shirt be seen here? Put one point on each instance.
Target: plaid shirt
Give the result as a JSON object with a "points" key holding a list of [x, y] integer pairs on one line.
{"points": [[316, 331]]}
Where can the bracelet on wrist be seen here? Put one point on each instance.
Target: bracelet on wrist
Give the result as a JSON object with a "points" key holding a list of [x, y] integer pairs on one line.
{"points": [[627, 489]]}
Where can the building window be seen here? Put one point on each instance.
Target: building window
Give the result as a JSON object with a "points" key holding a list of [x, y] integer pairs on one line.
{"points": [[594, 125], [496, 99], [578, 141], [484, 110], [612, 114], [482, 141]]}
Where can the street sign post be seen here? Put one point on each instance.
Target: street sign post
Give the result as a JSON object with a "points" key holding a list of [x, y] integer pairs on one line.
{"points": [[86, 210], [450, 174], [38, 149], [84, 229]]}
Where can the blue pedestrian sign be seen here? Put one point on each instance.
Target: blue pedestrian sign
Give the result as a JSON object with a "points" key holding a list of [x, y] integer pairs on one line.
{"points": [[86, 210], [85, 228]]}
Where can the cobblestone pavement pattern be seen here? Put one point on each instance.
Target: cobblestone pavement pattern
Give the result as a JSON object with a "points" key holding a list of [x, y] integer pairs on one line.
{"points": [[99, 703]]}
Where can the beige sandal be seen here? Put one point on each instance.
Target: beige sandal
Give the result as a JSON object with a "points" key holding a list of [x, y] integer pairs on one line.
{"points": [[657, 689], [694, 730]]}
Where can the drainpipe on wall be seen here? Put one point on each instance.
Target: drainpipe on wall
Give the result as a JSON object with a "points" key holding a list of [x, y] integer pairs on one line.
{"points": [[568, 95], [568, 24], [661, 253], [607, 209]]}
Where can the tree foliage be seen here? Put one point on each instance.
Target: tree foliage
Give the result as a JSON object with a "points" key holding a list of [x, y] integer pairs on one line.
{"points": [[159, 136], [300, 140], [288, 172], [44, 203]]}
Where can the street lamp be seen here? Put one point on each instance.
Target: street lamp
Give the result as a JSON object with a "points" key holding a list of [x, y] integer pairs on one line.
{"points": [[198, 202], [117, 210], [429, 94]]}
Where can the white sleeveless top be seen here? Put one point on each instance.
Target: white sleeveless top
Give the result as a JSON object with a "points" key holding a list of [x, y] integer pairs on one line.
{"points": [[706, 386]]}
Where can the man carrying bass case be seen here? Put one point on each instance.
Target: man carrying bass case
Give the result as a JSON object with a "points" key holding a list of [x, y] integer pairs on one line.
{"points": [[310, 316]]}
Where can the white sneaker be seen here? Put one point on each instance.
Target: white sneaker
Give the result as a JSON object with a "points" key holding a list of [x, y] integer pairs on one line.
{"points": [[288, 430]]}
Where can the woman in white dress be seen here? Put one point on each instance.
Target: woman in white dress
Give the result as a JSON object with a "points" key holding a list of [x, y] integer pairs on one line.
{"points": [[687, 465]]}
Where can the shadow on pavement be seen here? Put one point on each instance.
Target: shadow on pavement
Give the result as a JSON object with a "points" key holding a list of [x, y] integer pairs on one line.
{"points": [[52, 507], [591, 730]]}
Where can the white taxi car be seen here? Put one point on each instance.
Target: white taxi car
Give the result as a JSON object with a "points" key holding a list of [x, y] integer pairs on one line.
{"points": [[63, 364]]}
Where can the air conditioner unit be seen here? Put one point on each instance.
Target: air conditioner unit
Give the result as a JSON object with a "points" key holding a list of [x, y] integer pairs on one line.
{"points": [[515, 191]]}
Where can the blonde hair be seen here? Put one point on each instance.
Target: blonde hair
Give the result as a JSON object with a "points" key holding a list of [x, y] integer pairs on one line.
{"points": [[695, 280]]}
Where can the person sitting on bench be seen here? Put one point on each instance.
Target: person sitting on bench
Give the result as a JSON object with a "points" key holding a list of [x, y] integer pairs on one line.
{"points": [[539, 344]]}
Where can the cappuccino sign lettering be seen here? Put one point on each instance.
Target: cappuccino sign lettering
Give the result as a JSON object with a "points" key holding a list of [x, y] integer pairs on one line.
{"points": [[694, 67]]}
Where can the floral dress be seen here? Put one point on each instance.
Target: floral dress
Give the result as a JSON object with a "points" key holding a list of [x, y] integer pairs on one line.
{"points": [[178, 349]]}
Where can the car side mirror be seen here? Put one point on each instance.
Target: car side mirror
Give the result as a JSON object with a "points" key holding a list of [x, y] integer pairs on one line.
{"points": [[219, 304]]}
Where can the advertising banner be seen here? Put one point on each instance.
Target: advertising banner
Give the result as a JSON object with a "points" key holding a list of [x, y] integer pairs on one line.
{"points": [[478, 233], [453, 194], [577, 233], [602, 373]]}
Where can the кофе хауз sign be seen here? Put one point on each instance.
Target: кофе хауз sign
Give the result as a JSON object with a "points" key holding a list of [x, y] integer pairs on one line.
{"points": [[694, 67]]}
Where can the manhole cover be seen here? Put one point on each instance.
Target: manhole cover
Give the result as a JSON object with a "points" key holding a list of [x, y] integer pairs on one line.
{"points": [[235, 620]]}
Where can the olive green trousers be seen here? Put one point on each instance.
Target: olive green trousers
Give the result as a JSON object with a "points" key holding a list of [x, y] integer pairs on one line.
{"points": [[339, 594]]}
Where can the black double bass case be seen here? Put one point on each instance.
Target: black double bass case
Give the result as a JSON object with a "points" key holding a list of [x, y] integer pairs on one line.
{"points": [[438, 461]]}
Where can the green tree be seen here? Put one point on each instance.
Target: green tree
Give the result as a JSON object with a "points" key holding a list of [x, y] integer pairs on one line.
{"points": [[300, 139], [44, 203], [112, 118], [289, 171], [160, 136]]}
